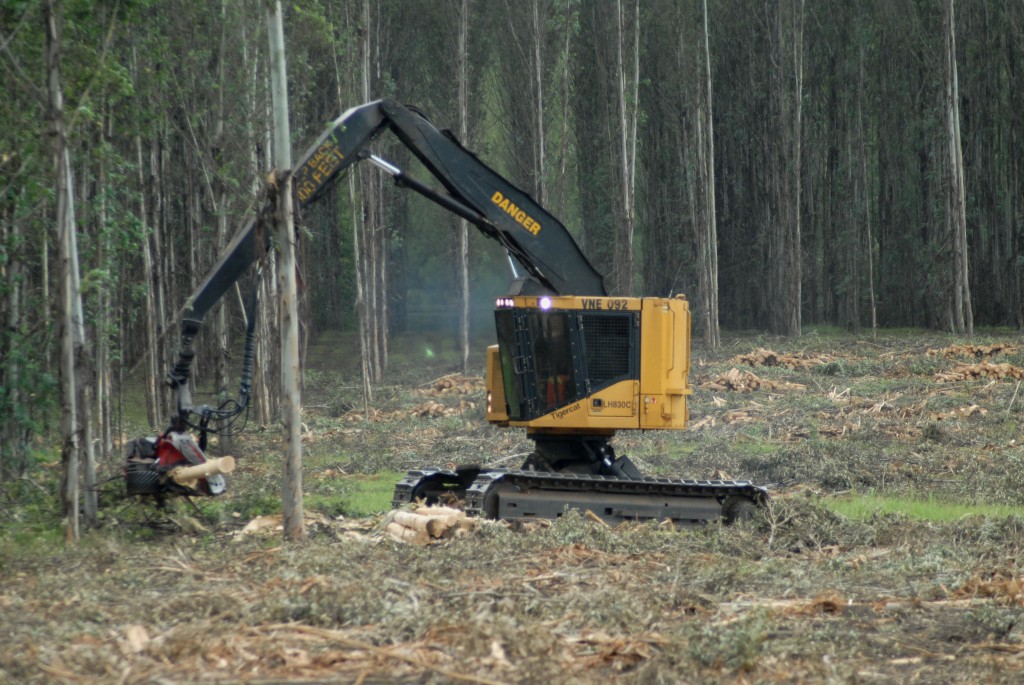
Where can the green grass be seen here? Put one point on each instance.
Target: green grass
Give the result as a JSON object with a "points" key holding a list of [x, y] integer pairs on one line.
{"points": [[357, 496], [863, 507]]}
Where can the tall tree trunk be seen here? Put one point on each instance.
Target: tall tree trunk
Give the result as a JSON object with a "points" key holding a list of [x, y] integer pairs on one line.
{"points": [[540, 152], [367, 225], [963, 316], [162, 283], [866, 199], [795, 250], [13, 446], [712, 332], [570, 19], [219, 195], [628, 103], [357, 247], [785, 182], [291, 491], [462, 60], [72, 326], [150, 323]]}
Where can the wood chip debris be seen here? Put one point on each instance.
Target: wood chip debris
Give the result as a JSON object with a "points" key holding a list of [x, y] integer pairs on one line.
{"points": [[984, 370], [763, 356], [958, 413], [1000, 585], [744, 381], [427, 525]]}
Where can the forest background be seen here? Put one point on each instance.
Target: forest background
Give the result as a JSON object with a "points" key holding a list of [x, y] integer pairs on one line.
{"points": [[783, 163]]}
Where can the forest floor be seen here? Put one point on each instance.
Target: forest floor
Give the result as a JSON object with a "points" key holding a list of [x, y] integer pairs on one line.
{"points": [[891, 551]]}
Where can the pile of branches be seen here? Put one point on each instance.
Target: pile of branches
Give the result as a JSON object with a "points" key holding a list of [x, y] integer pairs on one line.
{"points": [[984, 370], [744, 381], [763, 356]]}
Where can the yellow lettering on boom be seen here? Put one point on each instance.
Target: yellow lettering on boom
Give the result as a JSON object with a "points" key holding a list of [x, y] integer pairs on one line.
{"points": [[528, 223]]}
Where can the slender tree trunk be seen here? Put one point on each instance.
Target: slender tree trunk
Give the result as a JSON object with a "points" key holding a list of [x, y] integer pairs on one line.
{"points": [[13, 447], [163, 285], [219, 193], [963, 316], [462, 60], [866, 200], [628, 96], [150, 324], [72, 336], [357, 247], [363, 227], [540, 153], [794, 251], [785, 178], [563, 144], [712, 334], [291, 491]]}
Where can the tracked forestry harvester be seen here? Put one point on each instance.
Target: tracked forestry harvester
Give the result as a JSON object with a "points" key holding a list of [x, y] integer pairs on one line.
{"points": [[572, 366]]}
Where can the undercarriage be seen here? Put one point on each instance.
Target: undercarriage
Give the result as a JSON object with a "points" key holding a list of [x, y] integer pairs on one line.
{"points": [[581, 473]]}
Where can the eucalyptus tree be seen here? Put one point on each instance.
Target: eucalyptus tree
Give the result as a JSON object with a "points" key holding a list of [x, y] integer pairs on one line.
{"points": [[73, 344], [962, 314]]}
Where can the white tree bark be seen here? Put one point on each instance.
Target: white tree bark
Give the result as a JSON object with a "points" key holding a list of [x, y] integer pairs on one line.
{"points": [[291, 490], [963, 316], [72, 328]]}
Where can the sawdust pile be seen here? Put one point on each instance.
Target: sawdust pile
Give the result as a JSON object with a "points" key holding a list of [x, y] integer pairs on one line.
{"points": [[763, 356], [735, 380], [984, 370]]}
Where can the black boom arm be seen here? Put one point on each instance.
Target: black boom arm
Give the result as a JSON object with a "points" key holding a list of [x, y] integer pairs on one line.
{"points": [[472, 190]]}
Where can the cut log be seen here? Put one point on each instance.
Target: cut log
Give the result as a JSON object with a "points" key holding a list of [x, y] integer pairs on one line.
{"points": [[188, 475], [400, 533]]}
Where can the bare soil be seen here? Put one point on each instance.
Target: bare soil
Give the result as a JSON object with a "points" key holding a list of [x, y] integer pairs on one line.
{"points": [[801, 595]]}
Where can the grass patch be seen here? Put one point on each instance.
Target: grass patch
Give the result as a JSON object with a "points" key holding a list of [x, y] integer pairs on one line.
{"points": [[862, 507], [356, 496]]}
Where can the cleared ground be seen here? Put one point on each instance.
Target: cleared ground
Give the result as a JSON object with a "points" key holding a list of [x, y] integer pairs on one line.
{"points": [[906, 422]]}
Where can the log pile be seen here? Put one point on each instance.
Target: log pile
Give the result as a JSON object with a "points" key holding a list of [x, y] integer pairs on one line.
{"points": [[432, 409], [427, 525], [982, 371], [454, 384], [976, 351], [744, 381], [763, 356]]}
